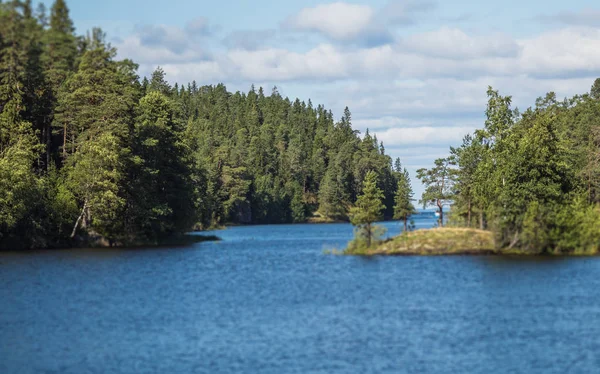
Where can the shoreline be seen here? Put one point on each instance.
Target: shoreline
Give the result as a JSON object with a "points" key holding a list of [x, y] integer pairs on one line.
{"points": [[184, 240], [451, 242]]}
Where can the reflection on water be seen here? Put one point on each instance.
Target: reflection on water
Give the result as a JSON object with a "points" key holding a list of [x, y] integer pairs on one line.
{"points": [[267, 300]]}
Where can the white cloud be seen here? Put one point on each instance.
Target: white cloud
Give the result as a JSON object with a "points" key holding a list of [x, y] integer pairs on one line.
{"points": [[198, 71], [358, 24], [454, 43], [426, 135], [387, 87], [322, 62], [341, 21], [386, 122], [171, 38], [565, 52], [142, 52]]}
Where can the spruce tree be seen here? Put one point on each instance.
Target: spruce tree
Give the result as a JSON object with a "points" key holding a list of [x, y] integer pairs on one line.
{"points": [[162, 190], [332, 195], [368, 209], [403, 206]]}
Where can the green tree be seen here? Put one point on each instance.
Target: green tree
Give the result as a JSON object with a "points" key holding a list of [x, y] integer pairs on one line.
{"points": [[61, 45], [158, 82], [95, 175], [595, 91], [332, 195], [368, 209], [95, 109], [162, 187], [468, 158], [403, 206], [100, 96], [21, 192], [439, 186]]}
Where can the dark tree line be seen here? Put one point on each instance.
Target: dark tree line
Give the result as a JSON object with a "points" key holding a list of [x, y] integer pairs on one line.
{"points": [[87, 149]]}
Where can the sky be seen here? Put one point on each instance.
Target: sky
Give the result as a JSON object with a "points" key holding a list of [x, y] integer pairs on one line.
{"points": [[415, 72]]}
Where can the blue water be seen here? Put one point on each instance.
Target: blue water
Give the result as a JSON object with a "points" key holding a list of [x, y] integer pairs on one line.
{"points": [[268, 300]]}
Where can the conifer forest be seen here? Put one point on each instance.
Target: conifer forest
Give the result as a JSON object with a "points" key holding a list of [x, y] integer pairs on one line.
{"points": [[87, 147]]}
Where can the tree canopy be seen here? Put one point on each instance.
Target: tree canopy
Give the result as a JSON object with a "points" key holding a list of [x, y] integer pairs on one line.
{"points": [[90, 150], [368, 209], [533, 177]]}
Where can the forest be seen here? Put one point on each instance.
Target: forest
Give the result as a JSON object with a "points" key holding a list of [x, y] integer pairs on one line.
{"points": [[88, 149], [531, 177]]}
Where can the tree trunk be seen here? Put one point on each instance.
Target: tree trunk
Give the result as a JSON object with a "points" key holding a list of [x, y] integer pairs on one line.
{"points": [[441, 208], [469, 214], [514, 241], [368, 235], [81, 216], [405, 223]]}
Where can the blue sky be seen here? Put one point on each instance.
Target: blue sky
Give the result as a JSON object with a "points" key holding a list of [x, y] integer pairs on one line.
{"points": [[414, 72]]}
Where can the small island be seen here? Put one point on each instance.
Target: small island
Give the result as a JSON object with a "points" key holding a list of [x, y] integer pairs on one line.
{"points": [[438, 241], [450, 241]]}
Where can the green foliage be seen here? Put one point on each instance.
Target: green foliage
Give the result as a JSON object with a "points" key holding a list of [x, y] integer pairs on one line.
{"points": [[90, 152], [333, 197], [20, 189], [439, 185], [368, 209], [403, 206], [534, 177], [364, 241], [576, 227], [95, 176], [61, 47], [162, 188]]}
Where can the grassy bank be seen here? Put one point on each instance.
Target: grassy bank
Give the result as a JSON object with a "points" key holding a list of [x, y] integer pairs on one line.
{"points": [[447, 241], [440, 241]]}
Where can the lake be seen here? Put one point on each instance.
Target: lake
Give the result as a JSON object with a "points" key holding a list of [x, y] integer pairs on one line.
{"points": [[267, 299]]}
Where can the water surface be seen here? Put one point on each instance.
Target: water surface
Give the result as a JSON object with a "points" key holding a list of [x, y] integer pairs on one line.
{"points": [[267, 300]]}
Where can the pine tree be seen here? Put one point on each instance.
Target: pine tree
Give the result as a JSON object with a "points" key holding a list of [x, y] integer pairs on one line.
{"points": [[95, 109], [439, 186], [61, 49], [368, 209], [158, 82], [13, 60], [162, 190], [100, 96], [37, 96], [332, 195], [403, 206], [59, 57], [96, 176]]}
